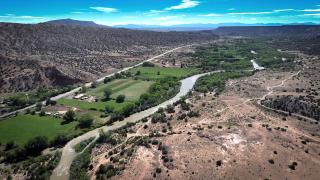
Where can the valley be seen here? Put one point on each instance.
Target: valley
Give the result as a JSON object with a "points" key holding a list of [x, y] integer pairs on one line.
{"points": [[181, 108]]}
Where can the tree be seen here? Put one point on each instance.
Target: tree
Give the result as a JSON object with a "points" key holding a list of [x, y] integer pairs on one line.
{"points": [[138, 73], [69, 116], [83, 89], [50, 102], [85, 121], [94, 84], [128, 109], [42, 113], [36, 145], [109, 109], [107, 79], [9, 145], [38, 106], [148, 64], [120, 98], [107, 93], [59, 140]]}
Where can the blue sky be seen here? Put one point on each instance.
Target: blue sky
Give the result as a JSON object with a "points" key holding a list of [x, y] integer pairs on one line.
{"points": [[162, 12]]}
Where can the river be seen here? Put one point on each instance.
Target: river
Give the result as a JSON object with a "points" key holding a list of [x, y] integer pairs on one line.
{"points": [[61, 172]]}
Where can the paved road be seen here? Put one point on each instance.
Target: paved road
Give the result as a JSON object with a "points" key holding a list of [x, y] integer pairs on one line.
{"points": [[98, 80]]}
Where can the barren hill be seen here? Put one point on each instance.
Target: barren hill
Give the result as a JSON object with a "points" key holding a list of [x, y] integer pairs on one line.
{"points": [[49, 54]]}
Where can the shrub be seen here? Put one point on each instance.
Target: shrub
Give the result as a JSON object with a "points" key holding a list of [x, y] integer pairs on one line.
{"points": [[158, 170], [158, 117], [38, 106], [120, 98], [94, 84], [193, 114], [147, 64], [107, 79], [69, 116], [59, 140], [85, 121], [36, 145], [50, 102], [170, 109], [128, 109], [9, 145], [42, 113], [107, 93]]}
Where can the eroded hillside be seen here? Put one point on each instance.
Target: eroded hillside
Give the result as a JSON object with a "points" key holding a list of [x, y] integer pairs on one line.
{"points": [[37, 54]]}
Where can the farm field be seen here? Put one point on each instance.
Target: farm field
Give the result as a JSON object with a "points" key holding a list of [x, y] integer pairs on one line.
{"points": [[132, 89], [95, 105], [21, 128], [162, 72]]}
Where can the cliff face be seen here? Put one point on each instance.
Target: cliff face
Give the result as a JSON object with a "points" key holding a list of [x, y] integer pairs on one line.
{"points": [[48, 54]]}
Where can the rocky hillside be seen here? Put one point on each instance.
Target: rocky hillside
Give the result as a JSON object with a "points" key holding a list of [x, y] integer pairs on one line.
{"points": [[51, 54]]}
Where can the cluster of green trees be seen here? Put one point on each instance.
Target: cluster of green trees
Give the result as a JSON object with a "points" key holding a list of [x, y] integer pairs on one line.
{"points": [[160, 91], [24, 99], [32, 148], [85, 121], [217, 82]]}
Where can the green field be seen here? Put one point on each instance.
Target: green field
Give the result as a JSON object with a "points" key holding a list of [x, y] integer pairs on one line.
{"points": [[132, 89], [152, 72], [24, 127], [96, 105]]}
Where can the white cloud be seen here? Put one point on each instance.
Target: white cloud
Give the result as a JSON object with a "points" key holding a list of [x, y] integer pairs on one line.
{"points": [[311, 10], [231, 9], [283, 10], [315, 15], [152, 11], [184, 5], [105, 9], [21, 17], [77, 12], [211, 15], [165, 18], [250, 13]]}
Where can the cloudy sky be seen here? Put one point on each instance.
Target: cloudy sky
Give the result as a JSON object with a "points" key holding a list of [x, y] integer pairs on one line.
{"points": [[162, 12]]}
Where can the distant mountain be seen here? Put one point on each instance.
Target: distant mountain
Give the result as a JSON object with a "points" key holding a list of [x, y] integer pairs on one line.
{"points": [[73, 22], [188, 27], [305, 31], [199, 27]]}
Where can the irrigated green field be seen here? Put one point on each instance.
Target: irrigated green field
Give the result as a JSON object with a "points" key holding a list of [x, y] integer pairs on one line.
{"points": [[24, 127], [95, 105], [132, 89], [162, 72]]}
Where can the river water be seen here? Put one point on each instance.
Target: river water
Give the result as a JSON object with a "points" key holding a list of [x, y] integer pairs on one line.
{"points": [[61, 172]]}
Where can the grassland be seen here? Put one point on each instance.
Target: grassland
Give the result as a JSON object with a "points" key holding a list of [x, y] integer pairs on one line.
{"points": [[153, 73], [24, 127], [95, 105], [132, 89]]}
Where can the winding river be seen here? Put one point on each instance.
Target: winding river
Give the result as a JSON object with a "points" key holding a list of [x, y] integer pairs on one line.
{"points": [[61, 172]]}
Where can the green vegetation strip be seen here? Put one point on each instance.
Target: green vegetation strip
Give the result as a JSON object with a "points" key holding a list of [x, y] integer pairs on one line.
{"points": [[21, 128], [217, 81], [163, 72], [94, 105]]}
